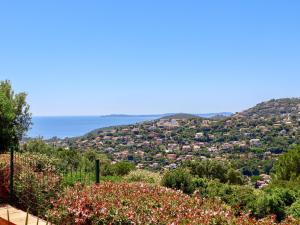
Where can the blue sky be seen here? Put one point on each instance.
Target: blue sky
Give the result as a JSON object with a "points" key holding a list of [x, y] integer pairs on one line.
{"points": [[143, 57]]}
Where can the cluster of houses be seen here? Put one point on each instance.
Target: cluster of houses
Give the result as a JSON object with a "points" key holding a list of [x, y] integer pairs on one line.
{"points": [[260, 133], [165, 143]]}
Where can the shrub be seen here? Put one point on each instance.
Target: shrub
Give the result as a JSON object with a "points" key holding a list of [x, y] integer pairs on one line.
{"points": [[35, 181], [4, 177], [288, 165], [274, 201], [123, 168], [213, 169], [118, 169], [37, 162], [234, 177], [33, 190], [239, 197], [179, 179], [294, 210], [136, 203], [143, 176]]}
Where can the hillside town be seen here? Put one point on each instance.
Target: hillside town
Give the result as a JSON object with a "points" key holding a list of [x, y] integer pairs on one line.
{"points": [[252, 139]]}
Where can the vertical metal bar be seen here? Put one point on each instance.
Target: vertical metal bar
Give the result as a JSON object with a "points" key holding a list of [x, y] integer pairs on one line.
{"points": [[97, 171], [80, 174], [11, 175]]}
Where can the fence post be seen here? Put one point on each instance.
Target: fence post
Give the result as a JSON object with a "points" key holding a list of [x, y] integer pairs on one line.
{"points": [[11, 175], [97, 171]]}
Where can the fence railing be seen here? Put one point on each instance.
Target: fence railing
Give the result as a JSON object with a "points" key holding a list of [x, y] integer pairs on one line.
{"points": [[37, 179]]}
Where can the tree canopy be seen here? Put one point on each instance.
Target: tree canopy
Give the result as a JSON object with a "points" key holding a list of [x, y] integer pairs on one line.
{"points": [[288, 165], [15, 117]]}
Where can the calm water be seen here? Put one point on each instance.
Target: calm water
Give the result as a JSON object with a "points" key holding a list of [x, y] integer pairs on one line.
{"points": [[72, 126]]}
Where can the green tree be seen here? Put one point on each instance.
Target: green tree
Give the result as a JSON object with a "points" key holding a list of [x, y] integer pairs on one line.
{"points": [[179, 179], [234, 176], [123, 168], [213, 169], [118, 169], [15, 118], [288, 165], [273, 201], [38, 146], [294, 210]]}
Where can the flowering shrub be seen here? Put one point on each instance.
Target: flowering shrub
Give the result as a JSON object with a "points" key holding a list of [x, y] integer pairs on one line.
{"points": [[35, 181], [4, 177], [137, 203], [39, 163], [143, 176]]}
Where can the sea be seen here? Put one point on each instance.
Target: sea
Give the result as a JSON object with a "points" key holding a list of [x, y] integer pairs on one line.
{"points": [[73, 126]]}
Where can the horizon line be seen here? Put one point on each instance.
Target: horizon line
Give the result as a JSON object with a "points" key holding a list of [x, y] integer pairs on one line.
{"points": [[125, 114]]}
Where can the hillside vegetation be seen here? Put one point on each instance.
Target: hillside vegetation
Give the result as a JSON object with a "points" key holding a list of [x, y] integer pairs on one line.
{"points": [[249, 161], [242, 169], [252, 140]]}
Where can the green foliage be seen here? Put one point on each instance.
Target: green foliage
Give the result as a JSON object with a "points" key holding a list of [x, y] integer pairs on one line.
{"points": [[179, 179], [68, 159], [122, 168], [273, 201], [234, 177], [294, 210], [288, 165], [143, 176], [118, 169], [15, 118], [36, 182], [38, 146], [40, 162], [213, 169], [234, 195], [114, 179]]}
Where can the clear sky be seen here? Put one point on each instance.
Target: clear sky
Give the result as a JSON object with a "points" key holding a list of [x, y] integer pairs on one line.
{"points": [[150, 56]]}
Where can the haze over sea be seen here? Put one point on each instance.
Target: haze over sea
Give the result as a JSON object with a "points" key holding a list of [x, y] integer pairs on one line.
{"points": [[72, 126]]}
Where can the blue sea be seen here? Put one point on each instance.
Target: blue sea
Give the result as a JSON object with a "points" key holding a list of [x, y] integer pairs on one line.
{"points": [[73, 126]]}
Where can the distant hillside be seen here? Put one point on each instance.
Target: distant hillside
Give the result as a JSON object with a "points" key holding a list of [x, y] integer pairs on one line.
{"points": [[181, 116], [128, 115], [170, 115], [274, 107], [217, 115]]}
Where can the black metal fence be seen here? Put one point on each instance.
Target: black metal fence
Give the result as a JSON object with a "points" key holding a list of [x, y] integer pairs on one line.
{"points": [[32, 181]]}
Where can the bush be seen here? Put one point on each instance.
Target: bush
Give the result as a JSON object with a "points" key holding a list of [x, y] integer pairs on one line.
{"points": [[4, 177], [118, 169], [234, 177], [212, 169], [38, 146], [239, 197], [123, 168], [274, 201], [33, 191], [140, 204], [143, 176], [179, 179], [294, 210], [288, 165], [35, 181]]}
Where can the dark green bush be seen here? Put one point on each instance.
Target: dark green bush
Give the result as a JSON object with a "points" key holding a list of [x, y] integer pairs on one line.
{"points": [[273, 201], [213, 169], [288, 165], [118, 169], [294, 210], [234, 195], [179, 179]]}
